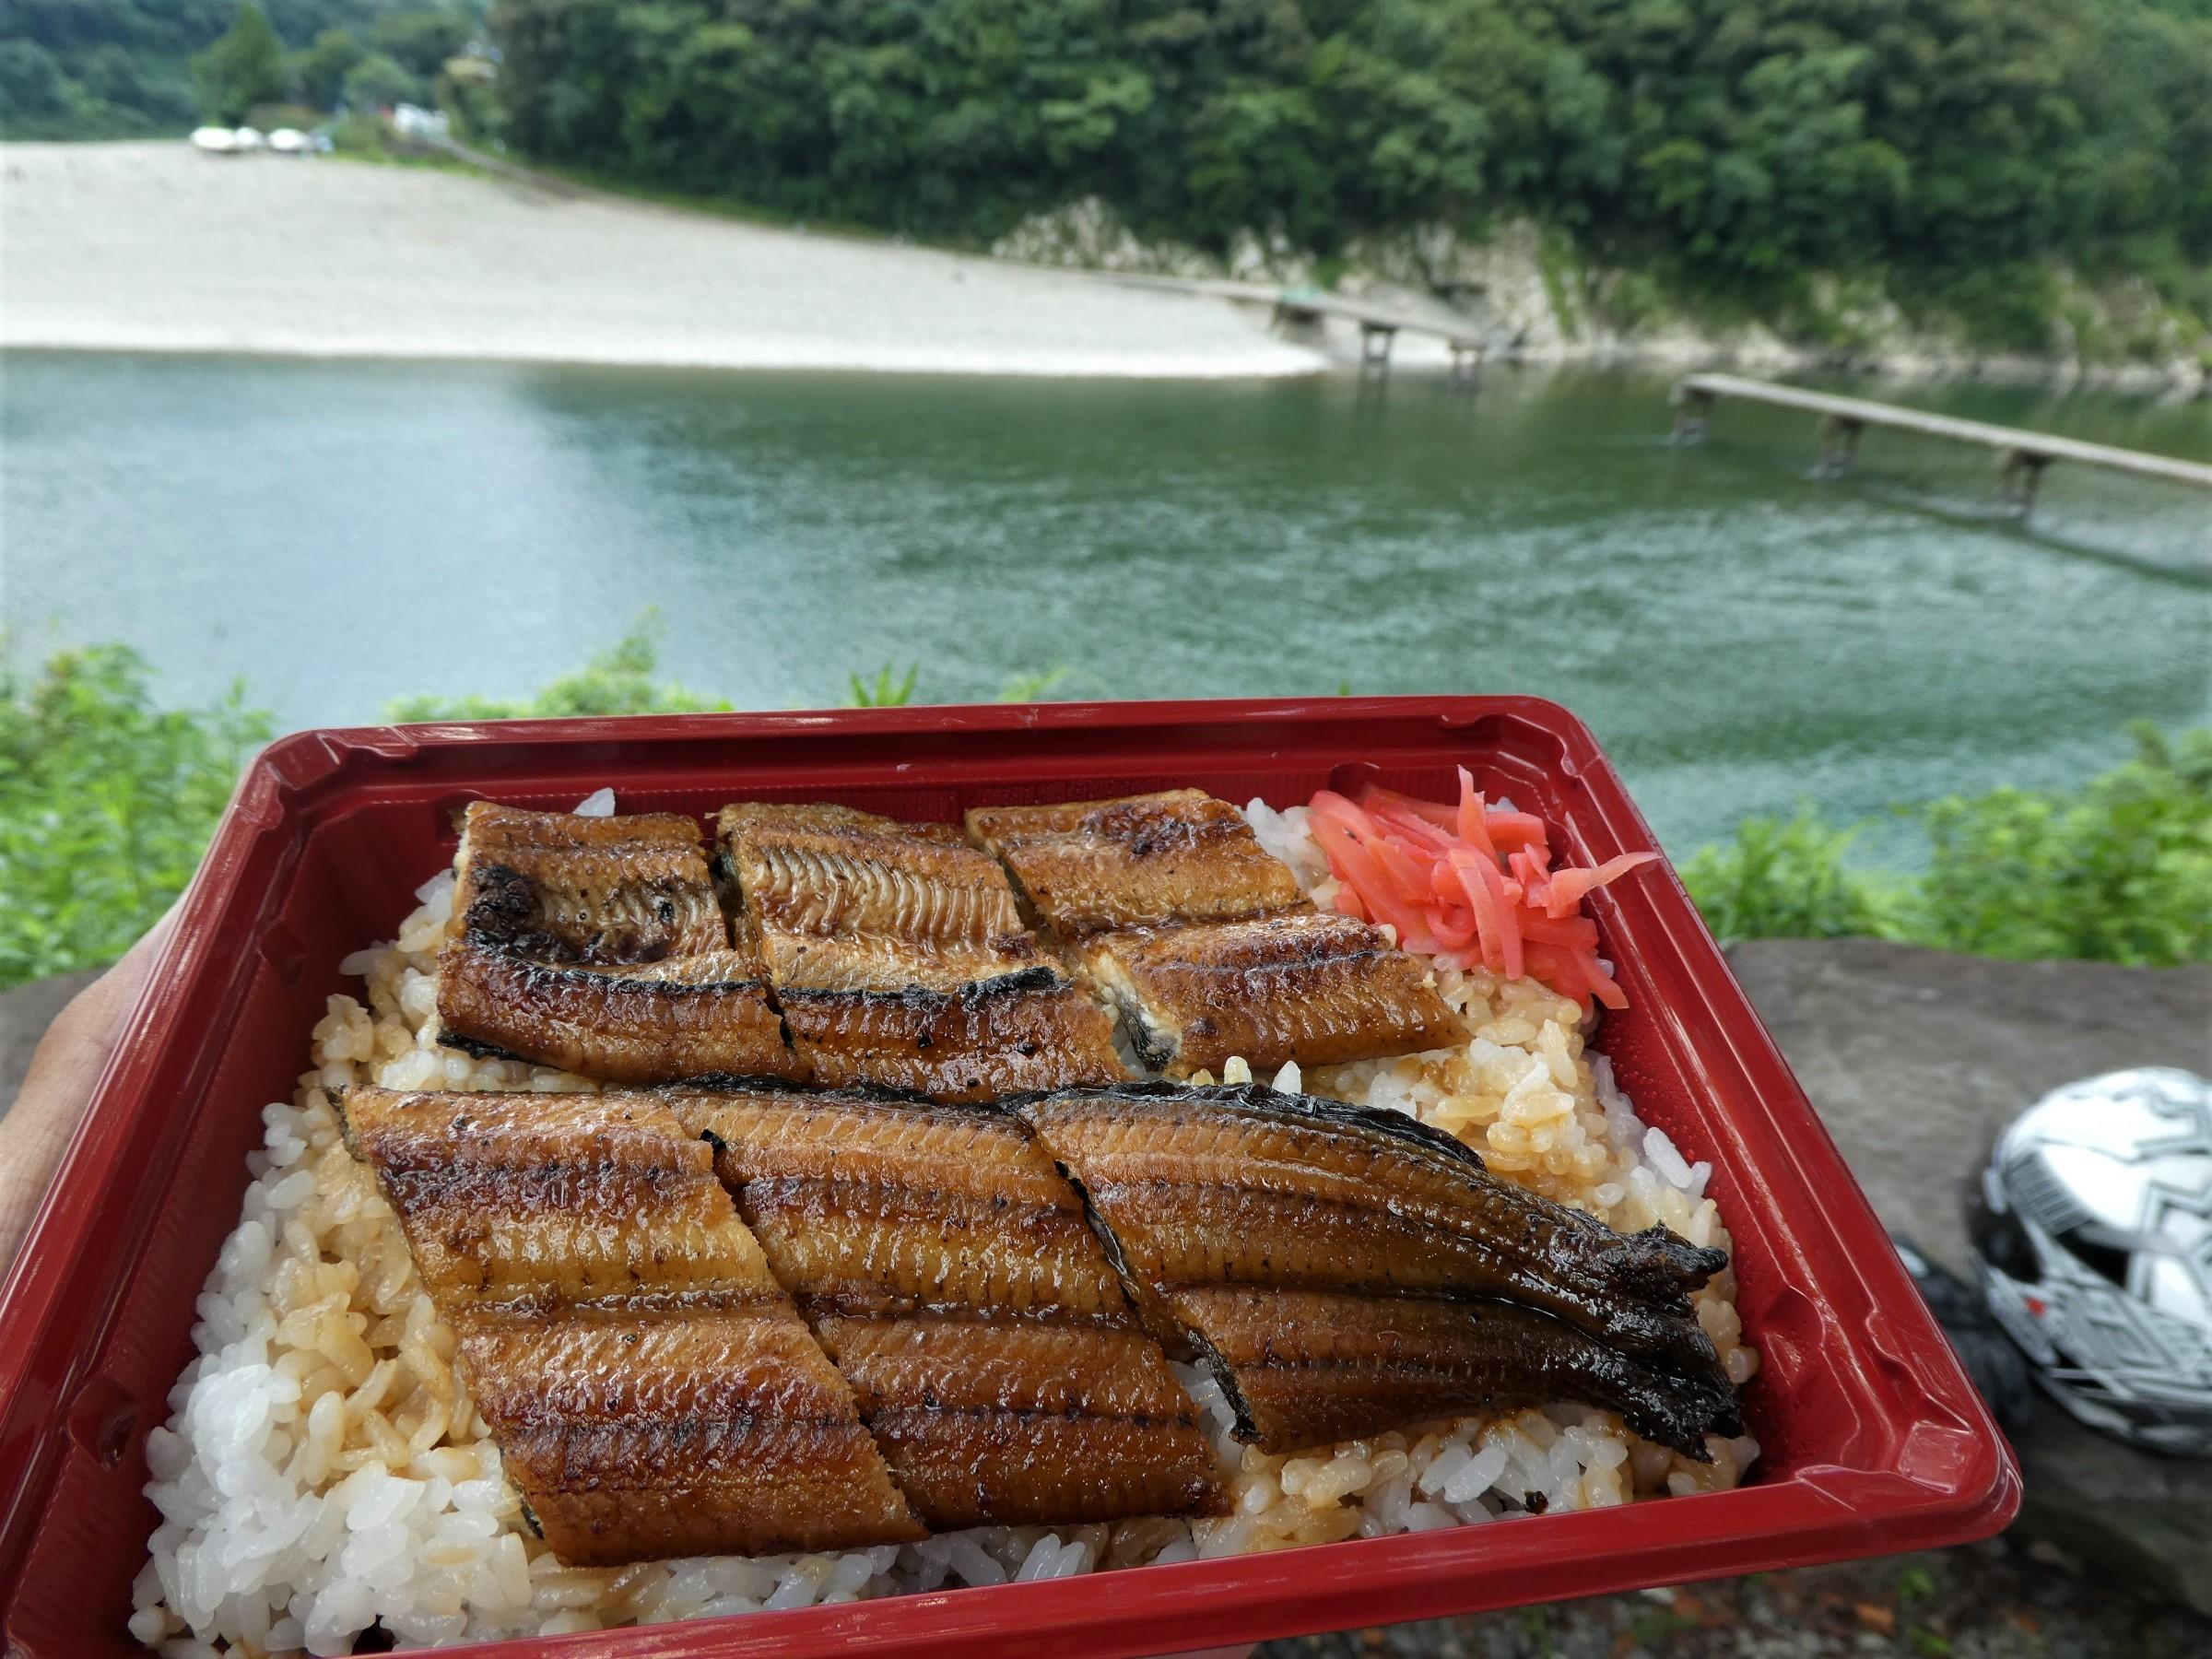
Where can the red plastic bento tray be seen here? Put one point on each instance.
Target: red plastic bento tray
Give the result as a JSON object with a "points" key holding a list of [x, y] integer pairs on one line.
{"points": [[1872, 1438]]}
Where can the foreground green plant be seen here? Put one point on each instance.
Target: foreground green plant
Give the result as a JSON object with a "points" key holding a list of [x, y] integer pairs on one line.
{"points": [[888, 690], [106, 802], [2118, 872], [1787, 879], [618, 680]]}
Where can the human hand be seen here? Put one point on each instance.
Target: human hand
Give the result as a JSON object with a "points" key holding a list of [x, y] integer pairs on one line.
{"points": [[58, 1086]]}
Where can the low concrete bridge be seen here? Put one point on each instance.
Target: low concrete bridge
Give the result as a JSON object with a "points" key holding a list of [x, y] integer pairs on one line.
{"points": [[2021, 455], [1304, 306]]}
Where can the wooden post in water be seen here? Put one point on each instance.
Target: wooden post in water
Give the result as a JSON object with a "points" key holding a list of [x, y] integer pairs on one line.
{"points": [[1467, 353], [1839, 445], [1693, 413], [2018, 473], [1375, 340]]}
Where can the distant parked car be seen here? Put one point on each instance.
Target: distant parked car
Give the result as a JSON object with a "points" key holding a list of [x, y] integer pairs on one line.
{"points": [[249, 139], [290, 141], [215, 141]]}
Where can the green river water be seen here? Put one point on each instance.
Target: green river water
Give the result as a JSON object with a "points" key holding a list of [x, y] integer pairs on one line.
{"points": [[1739, 636]]}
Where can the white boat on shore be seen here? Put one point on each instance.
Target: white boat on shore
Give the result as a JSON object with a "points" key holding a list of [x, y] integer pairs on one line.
{"points": [[228, 141]]}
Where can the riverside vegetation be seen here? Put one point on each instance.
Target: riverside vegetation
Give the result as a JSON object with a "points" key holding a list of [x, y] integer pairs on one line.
{"points": [[107, 801], [2006, 167]]}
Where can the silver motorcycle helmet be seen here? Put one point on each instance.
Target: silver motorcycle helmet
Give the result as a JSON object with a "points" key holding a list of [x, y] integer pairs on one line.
{"points": [[2093, 1235]]}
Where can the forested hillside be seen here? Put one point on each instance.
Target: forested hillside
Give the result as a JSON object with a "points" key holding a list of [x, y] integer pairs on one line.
{"points": [[1955, 152], [1731, 142], [123, 68]]}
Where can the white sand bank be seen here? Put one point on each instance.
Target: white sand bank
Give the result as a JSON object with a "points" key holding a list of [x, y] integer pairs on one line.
{"points": [[155, 247]]}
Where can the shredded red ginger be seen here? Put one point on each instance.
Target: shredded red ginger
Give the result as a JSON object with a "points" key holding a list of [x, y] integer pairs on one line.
{"points": [[1471, 885]]}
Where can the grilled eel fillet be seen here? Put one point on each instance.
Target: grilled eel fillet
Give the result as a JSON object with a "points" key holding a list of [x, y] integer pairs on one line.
{"points": [[1144, 860], [1203, 938], [652, 1390], [949, 1271], [898, 958], [1346, 1271], [598, 945]]}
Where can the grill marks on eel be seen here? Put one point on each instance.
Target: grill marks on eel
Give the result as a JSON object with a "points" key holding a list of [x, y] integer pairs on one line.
{"points": [[953, 1276], [1205, 940], [651, 1389], [899, 957], [752, 1319], [1345, 1271], [599, 945], [858, 949], [855, 949]]}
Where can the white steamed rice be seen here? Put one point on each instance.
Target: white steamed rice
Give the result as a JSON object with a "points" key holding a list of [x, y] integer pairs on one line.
{"points": [[324, 1469]]}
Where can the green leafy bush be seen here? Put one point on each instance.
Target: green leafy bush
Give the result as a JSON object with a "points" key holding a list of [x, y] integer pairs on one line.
{"points": [[1787, 879], [106, 802], [2119, 872], [245, 67], [887, 690]]}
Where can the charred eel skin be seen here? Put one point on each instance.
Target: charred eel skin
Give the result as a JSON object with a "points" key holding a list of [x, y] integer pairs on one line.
{"points": [[1345, 1271], [599, 945]]}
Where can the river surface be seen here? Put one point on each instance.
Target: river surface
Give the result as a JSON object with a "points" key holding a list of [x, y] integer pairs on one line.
{"points": [[1740, 637]]}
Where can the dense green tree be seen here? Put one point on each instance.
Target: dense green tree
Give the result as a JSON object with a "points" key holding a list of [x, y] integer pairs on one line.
{"points": [[320, 71], [244, 68], [125, 64], [117, 78], [1735, 142], [422, 40], [378, 82], [31, 87]]}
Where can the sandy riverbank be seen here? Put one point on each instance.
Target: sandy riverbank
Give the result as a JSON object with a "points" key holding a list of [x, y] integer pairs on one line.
{"points": [[154, 247]]}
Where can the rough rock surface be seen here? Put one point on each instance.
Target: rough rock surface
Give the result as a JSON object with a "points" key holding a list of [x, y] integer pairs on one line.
{"points": [[1916, 1058], [1538, 297], [1985, 1601]]}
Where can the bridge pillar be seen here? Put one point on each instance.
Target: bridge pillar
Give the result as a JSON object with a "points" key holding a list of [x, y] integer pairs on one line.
{"points": [[1693, 414], [1839, 445], [2018, 473], [1467, 359], [1376, 341]]}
